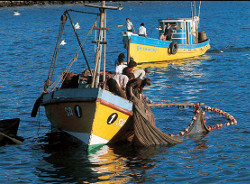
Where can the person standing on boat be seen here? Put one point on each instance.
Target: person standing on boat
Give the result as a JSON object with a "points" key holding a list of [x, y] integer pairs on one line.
{"points": [[168, 33], [137, 86], [129, 25], [142, 31]]}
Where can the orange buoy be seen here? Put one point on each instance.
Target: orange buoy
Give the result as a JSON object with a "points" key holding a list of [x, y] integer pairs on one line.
{"points": [[181, 133]]}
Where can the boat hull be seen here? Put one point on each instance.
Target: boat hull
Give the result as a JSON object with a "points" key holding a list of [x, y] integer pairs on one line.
{"points": [[9, 127], [145, 50], [94, 116]]}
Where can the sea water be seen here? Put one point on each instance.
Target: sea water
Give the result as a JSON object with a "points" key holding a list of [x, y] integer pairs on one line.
{"points": [[220, 78]]}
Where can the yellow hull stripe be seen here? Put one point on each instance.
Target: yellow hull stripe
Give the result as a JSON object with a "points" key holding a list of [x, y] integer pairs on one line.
{"points": [[145, 53], [104, 114]]}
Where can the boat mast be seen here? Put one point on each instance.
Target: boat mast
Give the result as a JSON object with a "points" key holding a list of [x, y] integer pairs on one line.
{"points": [[101, 40]]}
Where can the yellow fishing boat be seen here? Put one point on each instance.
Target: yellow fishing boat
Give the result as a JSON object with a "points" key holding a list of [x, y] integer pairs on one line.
{"points": [[186, 41], [78, 103]]}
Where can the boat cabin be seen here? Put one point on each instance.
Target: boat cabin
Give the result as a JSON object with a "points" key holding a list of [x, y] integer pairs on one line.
{"points": [[185, 29]]}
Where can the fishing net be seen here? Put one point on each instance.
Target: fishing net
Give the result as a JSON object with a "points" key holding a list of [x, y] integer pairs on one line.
{"points": [[145, 131], [199, 125]]}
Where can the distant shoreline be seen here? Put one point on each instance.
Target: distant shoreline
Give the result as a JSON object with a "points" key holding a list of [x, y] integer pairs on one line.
{"points": [[31, 3]]}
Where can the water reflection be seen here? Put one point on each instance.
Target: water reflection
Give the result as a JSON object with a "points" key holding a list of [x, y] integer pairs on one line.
{"points": [[167, 64], [106, 164], [200, 141]]}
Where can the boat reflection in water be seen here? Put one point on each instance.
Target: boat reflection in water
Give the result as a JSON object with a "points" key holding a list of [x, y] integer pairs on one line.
{"points": [[104, 164], [179, 62], [109, 164]]}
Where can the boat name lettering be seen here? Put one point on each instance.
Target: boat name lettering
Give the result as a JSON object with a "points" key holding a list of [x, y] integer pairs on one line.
{"points": [[121, 122], [112, 118], [68, 111], [146, 49]]}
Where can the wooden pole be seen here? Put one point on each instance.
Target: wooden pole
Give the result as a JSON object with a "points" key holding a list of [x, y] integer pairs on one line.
{"points": [[104, 49], [128, 51], [96, 75], [11, 138]]}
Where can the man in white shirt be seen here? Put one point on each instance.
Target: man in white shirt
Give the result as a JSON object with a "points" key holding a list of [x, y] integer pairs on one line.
{"points": [[120, 67], [121, 80], [129, 25], [140, 73], [142, 31]]}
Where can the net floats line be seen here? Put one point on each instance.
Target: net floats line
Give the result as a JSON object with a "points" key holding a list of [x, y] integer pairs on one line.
{"points": [[230, 118], [174, 104]]}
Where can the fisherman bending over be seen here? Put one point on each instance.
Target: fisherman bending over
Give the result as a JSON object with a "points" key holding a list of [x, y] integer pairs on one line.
{"points": [[140, 73], [117, 84], [137, 86]]}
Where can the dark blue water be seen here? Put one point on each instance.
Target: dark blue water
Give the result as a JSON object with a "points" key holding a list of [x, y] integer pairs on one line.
{"points": [[219, 79]]}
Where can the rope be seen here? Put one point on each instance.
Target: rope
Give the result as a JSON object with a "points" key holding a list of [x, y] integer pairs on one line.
{"points": [[54, 85], [58, 41], [68, 67]]}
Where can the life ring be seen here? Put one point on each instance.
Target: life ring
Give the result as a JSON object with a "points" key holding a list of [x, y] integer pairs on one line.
{"points": [[173, 47]]}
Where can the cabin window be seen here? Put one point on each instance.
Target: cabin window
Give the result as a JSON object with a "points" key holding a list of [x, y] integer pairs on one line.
{"points": [[180, 26], [173, 25]]}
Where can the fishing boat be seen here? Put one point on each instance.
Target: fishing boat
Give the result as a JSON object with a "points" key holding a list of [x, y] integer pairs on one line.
{"points": [[186, 41], [79, 103], [8, 127]]}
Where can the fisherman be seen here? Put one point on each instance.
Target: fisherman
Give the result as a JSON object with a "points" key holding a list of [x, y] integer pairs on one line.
{"points": [[137, 86], [142, 31], [120, 67], [120, 57], [168, 33], [115, 88], [129, 25], [140, 73], [129, 68], [117, 84], [122, 80]]}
